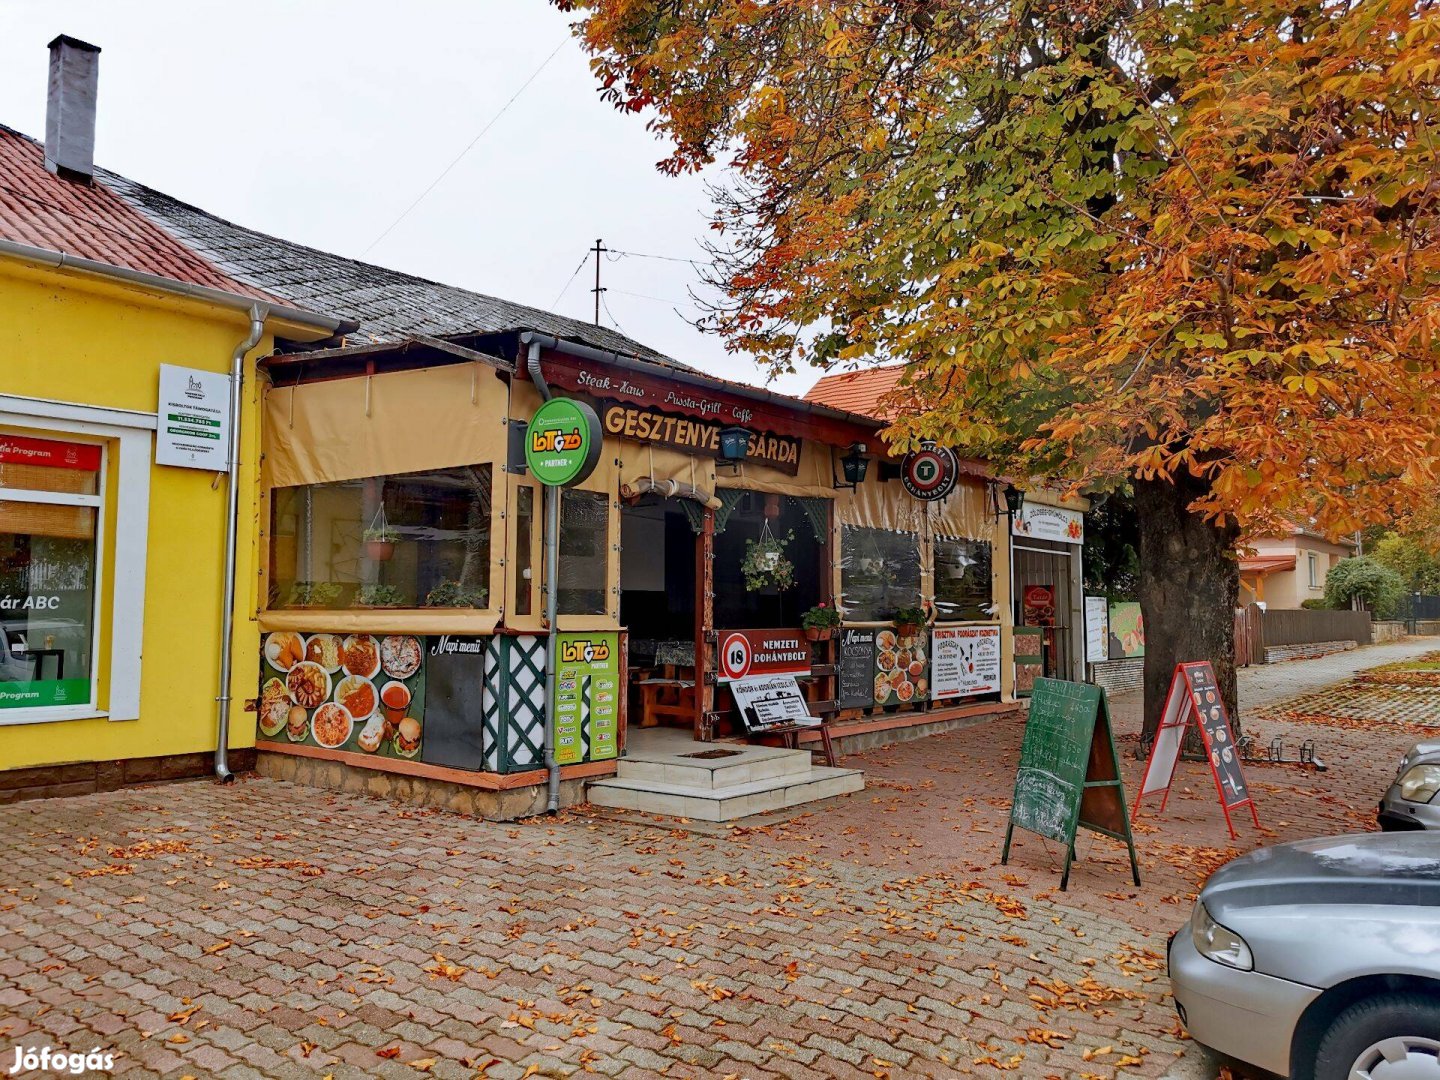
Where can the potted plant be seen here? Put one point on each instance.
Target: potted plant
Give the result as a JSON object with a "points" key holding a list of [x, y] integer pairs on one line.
{"points": [[314, 594], [454, 595], [909, 620], [765, 563], [380, 543], [378, 596], [820, 622]]}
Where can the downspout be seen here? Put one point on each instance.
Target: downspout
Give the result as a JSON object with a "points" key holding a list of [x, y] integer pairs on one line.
{"points": [[552, 595], [258, 314]]}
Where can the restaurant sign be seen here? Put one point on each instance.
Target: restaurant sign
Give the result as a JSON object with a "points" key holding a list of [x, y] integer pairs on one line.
{"points": [[562, 445], [1049, 523], [763, 652], [780, 452]]}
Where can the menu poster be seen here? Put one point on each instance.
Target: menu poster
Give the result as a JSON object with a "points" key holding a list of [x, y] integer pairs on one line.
{"points": [[587, 697], [857, 668], [454, 689], [1097, 629], [902, 668], [360, 693], [766, 701], [1039, 605], [1224, 754], [964, 660]]}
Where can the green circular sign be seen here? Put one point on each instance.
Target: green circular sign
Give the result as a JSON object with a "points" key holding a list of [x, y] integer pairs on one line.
{"points": [[563, 442]]}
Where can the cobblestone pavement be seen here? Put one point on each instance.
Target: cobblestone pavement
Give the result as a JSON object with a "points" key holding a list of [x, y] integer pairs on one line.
{"points": [[1263, 685], [267, 929]]}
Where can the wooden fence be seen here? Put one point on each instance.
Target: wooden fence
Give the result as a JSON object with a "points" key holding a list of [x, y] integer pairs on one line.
{"points": [[1257, 630]]}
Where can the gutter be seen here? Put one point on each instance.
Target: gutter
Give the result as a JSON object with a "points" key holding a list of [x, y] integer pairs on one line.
{"points": [[323, 325], [552, 594], [258, 314]]}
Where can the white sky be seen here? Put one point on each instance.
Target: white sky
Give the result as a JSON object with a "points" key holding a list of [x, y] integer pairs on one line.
{"points": [[321, 120]]}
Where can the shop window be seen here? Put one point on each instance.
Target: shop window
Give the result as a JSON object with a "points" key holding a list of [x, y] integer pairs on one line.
{"points": [[963, 586], [584, 552], [50, 498], [879, 572], [524, 536], [408, 540]]}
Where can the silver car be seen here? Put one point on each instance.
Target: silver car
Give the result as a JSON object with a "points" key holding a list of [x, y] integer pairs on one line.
{"points": [[1410, 802], [1319, 960]]}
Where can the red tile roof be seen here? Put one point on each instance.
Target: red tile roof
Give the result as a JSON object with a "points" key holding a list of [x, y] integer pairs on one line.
{"points": [[1267, 564], [90, 221], [864, 391]]}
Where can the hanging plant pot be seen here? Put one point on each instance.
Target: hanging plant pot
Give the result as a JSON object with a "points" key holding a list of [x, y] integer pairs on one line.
{"points": [[765, 564], [379, 550], [814, 633]]}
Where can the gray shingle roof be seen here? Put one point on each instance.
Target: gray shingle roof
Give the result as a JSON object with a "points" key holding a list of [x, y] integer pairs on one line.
{"points": [[388, 305]]}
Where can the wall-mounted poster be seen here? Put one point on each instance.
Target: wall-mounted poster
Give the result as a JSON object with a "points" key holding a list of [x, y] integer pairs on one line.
{"points": [[587, 696], [357, 692], [1127, 631], [1039, 601], [964, 660], [1049, 523], [1097, 629], [902, 668]]}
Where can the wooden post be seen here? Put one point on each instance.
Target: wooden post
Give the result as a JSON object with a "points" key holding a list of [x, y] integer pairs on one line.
{"points": [[704, 624]]}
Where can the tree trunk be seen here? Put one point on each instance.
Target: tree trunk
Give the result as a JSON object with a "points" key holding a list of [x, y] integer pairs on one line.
{"points": [[1189, 586]]}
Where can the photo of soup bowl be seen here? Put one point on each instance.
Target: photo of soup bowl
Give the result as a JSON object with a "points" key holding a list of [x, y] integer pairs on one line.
{"points": [[395, 700]]}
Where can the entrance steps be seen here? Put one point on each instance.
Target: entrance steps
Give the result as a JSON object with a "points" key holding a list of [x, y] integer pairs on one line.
{"points": [[662, 774]]}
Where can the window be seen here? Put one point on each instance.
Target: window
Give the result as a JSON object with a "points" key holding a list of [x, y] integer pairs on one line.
{"points": [[1313, 561], [50, 498], [524, 535], [584, 552], [410, 540], [963, 586], [879, 572]]}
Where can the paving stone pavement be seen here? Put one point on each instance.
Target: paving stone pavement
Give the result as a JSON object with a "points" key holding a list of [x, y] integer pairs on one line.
{"points": [[270, 930]]}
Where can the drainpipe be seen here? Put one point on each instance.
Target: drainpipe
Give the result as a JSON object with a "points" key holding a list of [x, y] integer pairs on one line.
{"points": [[258, 313], [552, 594]]}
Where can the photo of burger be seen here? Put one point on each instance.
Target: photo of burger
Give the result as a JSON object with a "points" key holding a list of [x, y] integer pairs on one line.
{"points": [[407, 737], [297, 724]]}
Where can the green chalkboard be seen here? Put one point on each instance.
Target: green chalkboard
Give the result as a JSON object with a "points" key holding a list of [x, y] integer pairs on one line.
{"points": [[1069, 774]]}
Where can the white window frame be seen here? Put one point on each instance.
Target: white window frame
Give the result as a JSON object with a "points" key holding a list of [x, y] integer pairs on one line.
{"points": [[1312, 562], [127, 471]]}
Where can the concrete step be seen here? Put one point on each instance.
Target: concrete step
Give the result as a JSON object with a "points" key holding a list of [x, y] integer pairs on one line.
{"points": [[740, 765], [728, 802]]}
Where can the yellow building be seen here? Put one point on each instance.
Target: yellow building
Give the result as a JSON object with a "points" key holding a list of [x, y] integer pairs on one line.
{"points": [[111, 565]]}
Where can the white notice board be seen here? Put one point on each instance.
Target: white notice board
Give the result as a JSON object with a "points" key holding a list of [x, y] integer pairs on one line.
{"points": [[1097, 629], [964, 660], [194, 419]]}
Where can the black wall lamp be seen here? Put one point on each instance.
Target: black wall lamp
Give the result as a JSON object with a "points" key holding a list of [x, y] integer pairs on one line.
{"points": [[1014, 500], [854, 465], [734, 445]]}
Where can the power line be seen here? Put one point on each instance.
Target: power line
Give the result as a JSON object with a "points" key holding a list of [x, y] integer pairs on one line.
{"points": [[491, 123], [616, 321], [663, 258], [580, 266]]}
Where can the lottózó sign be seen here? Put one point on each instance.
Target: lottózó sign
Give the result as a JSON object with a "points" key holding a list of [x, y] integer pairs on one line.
{"points": [[929, 473], [780, 452], [763, 652], [562, 445]]}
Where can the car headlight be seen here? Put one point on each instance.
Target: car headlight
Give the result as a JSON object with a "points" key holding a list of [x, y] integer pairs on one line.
{"points": [[1219, 943], [1420, 783]]}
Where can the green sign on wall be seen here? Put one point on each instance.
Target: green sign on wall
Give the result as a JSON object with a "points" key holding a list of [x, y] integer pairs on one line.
{"points": [[587, 696], [563, 442]]}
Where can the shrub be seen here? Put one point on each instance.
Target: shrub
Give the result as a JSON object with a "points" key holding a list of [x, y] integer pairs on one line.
{"points": [[1377, 587]]}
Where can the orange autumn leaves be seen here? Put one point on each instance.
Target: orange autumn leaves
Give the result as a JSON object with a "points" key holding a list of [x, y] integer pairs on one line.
{"points": [[1114, 241]]}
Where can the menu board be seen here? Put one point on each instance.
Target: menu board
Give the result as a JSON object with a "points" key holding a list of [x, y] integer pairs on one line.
{"points": [[587, 696], [1097, 629], [964, 660], [857, 669], [454, 688], [902, 668], [1224, 754], [361, 693]]}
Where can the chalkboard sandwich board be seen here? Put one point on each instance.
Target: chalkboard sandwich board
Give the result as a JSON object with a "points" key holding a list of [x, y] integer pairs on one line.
{"points": [[857, 668], [1069, 773]]}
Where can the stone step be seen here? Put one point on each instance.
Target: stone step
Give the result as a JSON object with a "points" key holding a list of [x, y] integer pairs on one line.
{"points": [[725, 803], [743, 765]]}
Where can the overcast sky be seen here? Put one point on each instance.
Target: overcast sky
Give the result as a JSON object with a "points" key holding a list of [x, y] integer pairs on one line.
{"points": [[322, 120]]}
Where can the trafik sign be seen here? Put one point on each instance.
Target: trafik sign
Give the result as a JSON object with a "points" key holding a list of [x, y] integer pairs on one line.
{"points": [[562, 445]]}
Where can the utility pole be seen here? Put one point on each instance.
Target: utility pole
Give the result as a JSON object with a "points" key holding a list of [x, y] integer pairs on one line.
{"points": [[599, 250]]}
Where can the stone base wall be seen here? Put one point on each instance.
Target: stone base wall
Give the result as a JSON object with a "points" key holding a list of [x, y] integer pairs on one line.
{"points": [[1119, 676], [1427, 628], [868, 740], [88, 777], [1389, 630], [1274, 654], [417, 790]]}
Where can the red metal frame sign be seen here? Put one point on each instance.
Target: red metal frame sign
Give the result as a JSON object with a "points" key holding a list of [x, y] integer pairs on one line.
{"points": [[1195, 698]]}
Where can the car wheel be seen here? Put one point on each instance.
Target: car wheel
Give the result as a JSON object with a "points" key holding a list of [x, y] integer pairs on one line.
{"points": [[1394, 1037]]}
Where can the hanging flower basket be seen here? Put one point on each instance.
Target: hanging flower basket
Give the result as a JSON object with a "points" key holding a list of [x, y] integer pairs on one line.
{"points": [[380, 539], [765, 564]]}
